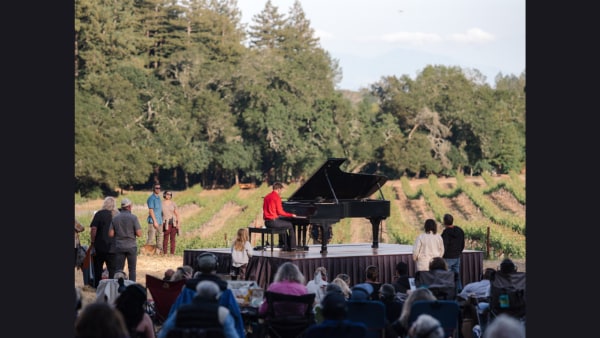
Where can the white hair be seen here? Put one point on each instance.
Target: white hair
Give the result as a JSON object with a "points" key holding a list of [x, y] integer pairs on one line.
{"points": [[426, 326], [505, 326], [207, 289]]}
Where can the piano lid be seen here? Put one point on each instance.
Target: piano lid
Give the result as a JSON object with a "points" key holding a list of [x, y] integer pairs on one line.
{"points": [[345, 185]]}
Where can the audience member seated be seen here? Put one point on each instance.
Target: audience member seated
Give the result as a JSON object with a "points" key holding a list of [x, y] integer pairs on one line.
{"points": [[182, 272], [361, 292], [400, 325], [372, 277], [100, 320], [393, 306], [131, 305], [479, 289], [345, 278], [474, 299], [507, 266], [401, 282], [318, 284], [438, 263], [206, 265], [440, 280], [168, 274], [426, 326], [287, 280], [335, 310], [504, 326], [344, 287], [203, 312]]}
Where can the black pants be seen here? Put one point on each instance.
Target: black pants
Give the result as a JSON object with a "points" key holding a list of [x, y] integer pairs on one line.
{"points": [[280, 223]]}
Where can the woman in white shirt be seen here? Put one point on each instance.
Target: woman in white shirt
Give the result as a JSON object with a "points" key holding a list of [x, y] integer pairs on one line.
{"points": [[427, 246], [241, 251]]}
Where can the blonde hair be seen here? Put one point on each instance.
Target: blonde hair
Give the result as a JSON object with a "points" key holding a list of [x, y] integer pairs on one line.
{"points": [[343, 285], [241, 238]]}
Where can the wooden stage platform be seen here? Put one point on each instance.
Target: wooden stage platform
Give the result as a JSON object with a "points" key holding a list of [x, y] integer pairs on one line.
{"points": [[351, 259]]}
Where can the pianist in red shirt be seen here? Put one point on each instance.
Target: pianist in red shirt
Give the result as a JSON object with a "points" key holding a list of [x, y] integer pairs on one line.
{"points": [[273, 213]]}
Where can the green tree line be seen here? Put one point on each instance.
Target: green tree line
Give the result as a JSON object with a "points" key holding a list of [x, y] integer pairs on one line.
{"points": [[183, 93]]}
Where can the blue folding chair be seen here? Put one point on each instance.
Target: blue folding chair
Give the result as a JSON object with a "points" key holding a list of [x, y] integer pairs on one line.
{"points": [[446, 311], [370, 312]]}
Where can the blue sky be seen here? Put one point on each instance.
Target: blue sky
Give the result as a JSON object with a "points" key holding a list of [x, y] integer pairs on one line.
{"points": [[378, 38]]}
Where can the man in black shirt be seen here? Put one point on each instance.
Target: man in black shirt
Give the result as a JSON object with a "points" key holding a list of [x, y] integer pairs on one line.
{"points": [[454, 244]]}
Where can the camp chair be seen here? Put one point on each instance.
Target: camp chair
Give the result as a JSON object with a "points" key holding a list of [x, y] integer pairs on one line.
{"points": [[442, 283], [507, 294], [164, 293], [288, 316], [446, 311], [370, 312]]}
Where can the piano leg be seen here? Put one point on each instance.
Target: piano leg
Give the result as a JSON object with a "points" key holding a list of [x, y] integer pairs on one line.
{"points": [[325, 231], [301, 236], [375, 228]]}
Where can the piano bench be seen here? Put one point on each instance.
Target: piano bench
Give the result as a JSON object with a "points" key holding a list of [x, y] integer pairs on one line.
{"points": [[264, 230]]}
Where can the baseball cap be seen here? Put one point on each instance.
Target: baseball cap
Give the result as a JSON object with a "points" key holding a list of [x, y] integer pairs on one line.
{"points": [[125, 202]]}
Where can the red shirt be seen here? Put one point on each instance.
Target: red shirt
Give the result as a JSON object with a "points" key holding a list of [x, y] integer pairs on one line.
{"points": [[272, 207]]}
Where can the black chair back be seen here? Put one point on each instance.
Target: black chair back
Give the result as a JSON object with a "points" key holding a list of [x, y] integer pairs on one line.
{"points": [[288, 316]]}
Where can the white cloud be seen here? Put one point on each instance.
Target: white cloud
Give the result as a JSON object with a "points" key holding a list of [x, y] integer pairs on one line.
{"points": [[473, 35]]}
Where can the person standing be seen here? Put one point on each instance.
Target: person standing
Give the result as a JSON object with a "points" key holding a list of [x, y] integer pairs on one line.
{"points": [[104, 246], [125, 227], [241, 251], [154, 215], [427, 246], [273, 213], [454, 244], [170, 219], [78, 228]]}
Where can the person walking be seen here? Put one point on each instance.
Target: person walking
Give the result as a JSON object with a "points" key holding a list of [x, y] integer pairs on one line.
{"points": [[241, 251], [154, 216], [125, 227], [427, 246], [454, 244], [273, 213], [104, 246], [170, 219]]}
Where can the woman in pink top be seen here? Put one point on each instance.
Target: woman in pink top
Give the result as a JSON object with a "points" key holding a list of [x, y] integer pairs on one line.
{"points": [[288, 280]]}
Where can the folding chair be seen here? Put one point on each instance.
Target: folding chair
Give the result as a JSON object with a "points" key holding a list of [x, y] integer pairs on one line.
{"points": [[446, 311], [507, 294], [370, 312], [441, 283], [164, 294], [288, 316]]}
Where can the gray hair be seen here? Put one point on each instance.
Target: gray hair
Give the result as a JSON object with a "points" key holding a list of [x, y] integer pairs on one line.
{"points": [[505, 326], [426, 326], [290, 272], [207, 289], [110, 203]]}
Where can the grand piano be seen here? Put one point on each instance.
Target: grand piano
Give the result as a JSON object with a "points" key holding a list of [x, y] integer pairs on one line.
{"points": [[331, 194]]}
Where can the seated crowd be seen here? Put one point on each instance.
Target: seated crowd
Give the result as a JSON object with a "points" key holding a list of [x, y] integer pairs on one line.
{"points": [[206, 305]]}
